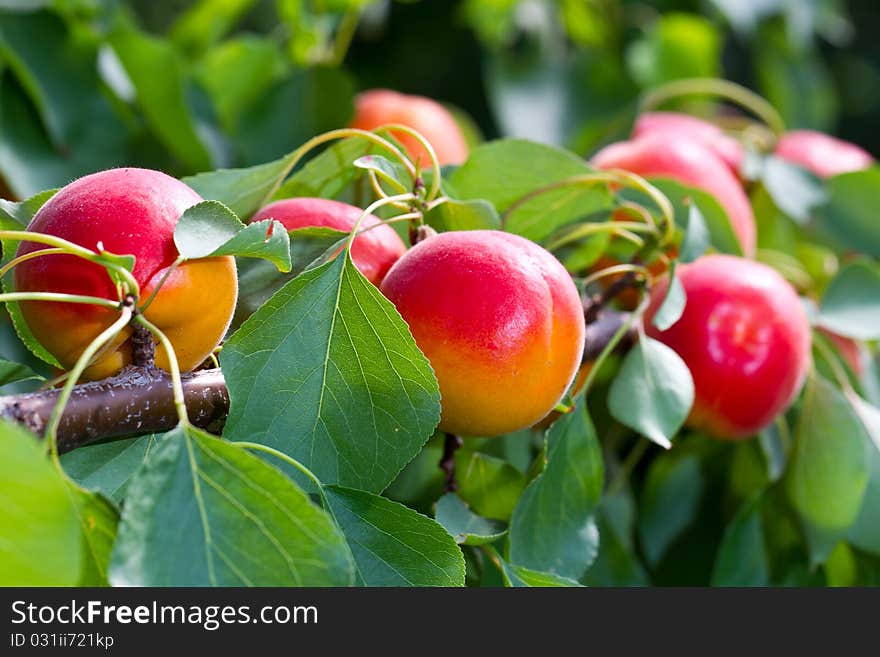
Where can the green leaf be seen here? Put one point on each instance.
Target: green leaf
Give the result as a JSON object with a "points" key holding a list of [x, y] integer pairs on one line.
{"points": [[107, 467], [210, 229], [851, 304], [653, 392], [676, 46], [865, 531], [505, 171], [670, 501], [829, 467], [98, 519], [206, 22], [392, 544], [793, 189], [683, 198], [696, 236], [14, 372], [244, 191], [489, 485], [464, 525], [463, 215], [40, 538], [616, 563], [742, 556], [672, 306], [848, 213], [202, 512], [157, 75], [327, 174], [327, 372], [517, 576], [553, 527], [385, 169], [17, 215]]}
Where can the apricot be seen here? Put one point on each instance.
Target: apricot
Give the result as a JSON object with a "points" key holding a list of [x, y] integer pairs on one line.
{"points": [[132, 212], [744, 336], [500, 321], [822, 154], [373, 252], [690, 162], [692, 127], [378, 107]]}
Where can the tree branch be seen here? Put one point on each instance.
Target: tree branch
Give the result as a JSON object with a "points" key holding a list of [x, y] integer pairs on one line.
{"points": [[138, 400]]}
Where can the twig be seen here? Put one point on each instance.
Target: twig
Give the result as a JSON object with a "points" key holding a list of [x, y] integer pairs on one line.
{"points": [[447, 463]]}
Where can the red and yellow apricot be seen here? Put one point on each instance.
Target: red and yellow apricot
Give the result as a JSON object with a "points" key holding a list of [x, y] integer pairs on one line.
{"points": [[378, 107], [500, 321], [689, 162], [128, 212], [744, 336], [373, 251]]}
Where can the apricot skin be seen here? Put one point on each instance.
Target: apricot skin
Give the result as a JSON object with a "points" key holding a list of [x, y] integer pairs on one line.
{"points": [[692, 127], [688, 161], [132, 212], [499, 319], [378, 107], [744, 336], [373, 252], [822, 154]]}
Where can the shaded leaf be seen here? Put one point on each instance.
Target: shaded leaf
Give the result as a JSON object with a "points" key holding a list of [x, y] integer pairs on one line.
{"points": [[464, 525]]}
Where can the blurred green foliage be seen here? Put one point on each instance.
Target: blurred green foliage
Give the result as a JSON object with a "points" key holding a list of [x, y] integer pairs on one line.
{"points": [[191, 85]]}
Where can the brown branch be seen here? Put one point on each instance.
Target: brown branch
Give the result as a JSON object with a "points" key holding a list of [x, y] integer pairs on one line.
{"points": [[451, 444], [606, 323], [138, 400]]}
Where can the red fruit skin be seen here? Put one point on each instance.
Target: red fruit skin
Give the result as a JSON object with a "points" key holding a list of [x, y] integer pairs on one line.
{"points": [[691, 163], [499, 319], [822, 154], [378, 107], [373, 252], [687, 126], [848, 349], [746, 339], [132, 212]]}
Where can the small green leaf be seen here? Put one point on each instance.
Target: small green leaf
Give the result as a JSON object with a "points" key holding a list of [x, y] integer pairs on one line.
{"points": [[41, 542], [464, 525], [670, 501], [829, 468], [849, 214], [653, 392], [327, 372], [202, 512], [392, 544], [385, 169], [673, 303], [107, 467], [463, 215], [793, 189], [210, 229], [696, 235], [742, 557], [14, 372], [489, 485], [851, 304], [517, 576], [553, 527], [17, 215]]}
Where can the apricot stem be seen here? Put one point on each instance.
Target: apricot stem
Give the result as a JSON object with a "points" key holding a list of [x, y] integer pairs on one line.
{"points": [[28, 256], [625, 268], [435, 163], [176, 383], [820, 342], [58, 296], [625, 229], [82, 362], [375, 205], [284, 457], [714, 87]]}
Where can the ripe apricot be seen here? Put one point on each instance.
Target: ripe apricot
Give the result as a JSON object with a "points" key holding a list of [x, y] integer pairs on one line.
{"points": [[660, 155], [499, 319], [373, 252], [822, 154], [132, 212], [692, 127], [378, 107], [744, 336]]}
